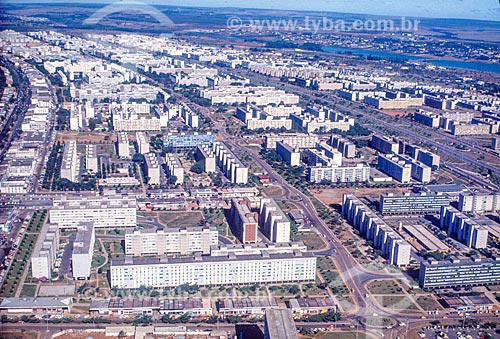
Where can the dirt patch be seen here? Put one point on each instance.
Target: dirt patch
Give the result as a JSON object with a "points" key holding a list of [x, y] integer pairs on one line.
{"points": [[331, 196]]}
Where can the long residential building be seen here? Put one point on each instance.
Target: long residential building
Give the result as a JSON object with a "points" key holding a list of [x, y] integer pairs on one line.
{"points": [[393, 246], [142, 142], [384, 144], [407, 203], [273, 221], [459, 273], [337, 174], [344, 146], [231, 269], [70, 162], [245, 222], [122, 145], [106, 212], [170, 240], [187, 141], [91, 162], [83, 250], [403, 168], [479, 202], [462, 228], [229, 164], [44, 254]]}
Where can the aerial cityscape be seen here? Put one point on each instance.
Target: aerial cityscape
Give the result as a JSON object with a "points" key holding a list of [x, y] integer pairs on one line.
{"points": [[221, 170]]}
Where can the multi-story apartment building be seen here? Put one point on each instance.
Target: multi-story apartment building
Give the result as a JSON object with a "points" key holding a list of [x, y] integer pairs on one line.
{"points": [[273, 221], [170, 240], [459, 273], [324, 155], [122, 145], [427, 158], [153, 168], [174, 168], [45, 252], [479, 202], [393, 246], [91, 162], [226, 268], [344, 146], [106, 212], [384, 144], [207, 156], [295, 140], [142, 142], [83, 250], [245, 222], [465, 230], [289, 154], [336, 174], [229, 164], [186, 141], [403, 168], [407, 203], [70, 162]]}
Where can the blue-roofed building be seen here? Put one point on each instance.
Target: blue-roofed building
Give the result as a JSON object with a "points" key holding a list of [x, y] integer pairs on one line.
{"points": [[187, 140]]}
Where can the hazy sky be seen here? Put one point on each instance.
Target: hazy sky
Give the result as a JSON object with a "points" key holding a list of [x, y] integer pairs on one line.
{"points": [[469, 9]]}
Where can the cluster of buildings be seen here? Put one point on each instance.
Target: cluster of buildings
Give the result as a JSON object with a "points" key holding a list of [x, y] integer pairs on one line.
{"points": [[232, 167], [463, 228], [393, 246], [459, 123], [24, 154]]}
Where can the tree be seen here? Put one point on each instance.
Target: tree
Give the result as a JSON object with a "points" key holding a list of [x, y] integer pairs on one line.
{"points": [[92, 124], [198, 167]]}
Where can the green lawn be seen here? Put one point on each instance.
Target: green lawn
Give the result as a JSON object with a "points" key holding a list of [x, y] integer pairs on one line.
{"points": [[384, 287], [396, 302], [312, 240], [178, 219], [28, 290], [428, 303]]}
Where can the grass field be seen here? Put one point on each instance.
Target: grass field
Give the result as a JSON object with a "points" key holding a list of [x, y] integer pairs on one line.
{"points": [[28, 290], [384, 287], [179, 219], [428, 303], [396, 302], [312, 240]]}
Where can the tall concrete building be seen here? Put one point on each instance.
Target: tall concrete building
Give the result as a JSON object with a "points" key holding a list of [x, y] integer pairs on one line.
{"points": [[245, 222], [422, 203], [463, 229], [174, 168], [384, 144], [45, 252], [70, 162], [279, 324], [344, 146], [83, 250], [403, 168], [273, 221], [495, 143], [170, 240], [122, 145], [337, 174], [295, 140], [153, 168], [207, 156], [91, 162], [106, 212], [479, 202], [289, 154], [142, 142]]}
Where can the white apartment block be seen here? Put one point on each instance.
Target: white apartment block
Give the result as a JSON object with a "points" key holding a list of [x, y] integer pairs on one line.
{"points": [[324, 155], [70, 161], [274, 222], [229, 164], [142, 142], [337, 174], [83, 250], [463, 229], [230, 269], [479, 202], [403, 168], [174, 167], [153, 168], [190, 118], [207, 156], [106, 212], [170, 240], [289, 154], [256, 95], [45, 252], [122, 145], [295, 140], [91, 162], [393, 246]]}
